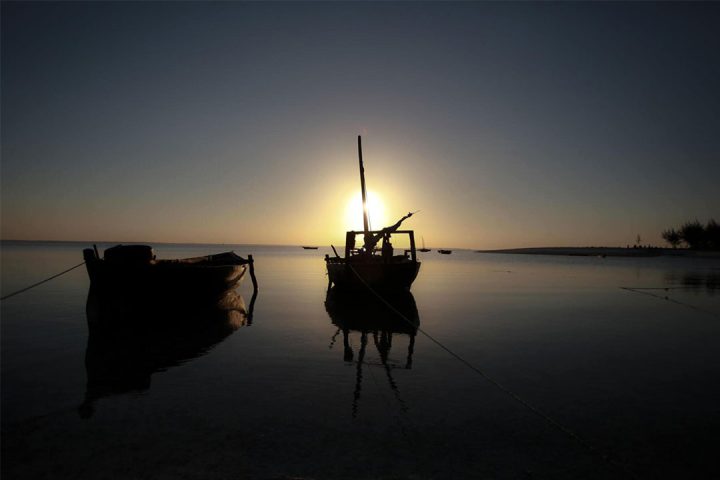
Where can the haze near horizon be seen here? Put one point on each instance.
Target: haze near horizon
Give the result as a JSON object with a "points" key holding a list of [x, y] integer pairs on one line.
{"points": [[506, 125]]}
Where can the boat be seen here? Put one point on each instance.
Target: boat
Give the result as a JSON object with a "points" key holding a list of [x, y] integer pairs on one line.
{"points": [[445, 252], [132, 272], [310, 248], [423, 249], [369, 267]]}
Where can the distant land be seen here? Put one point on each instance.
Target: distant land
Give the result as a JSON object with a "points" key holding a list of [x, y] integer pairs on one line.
{"points": [[608, 252]]}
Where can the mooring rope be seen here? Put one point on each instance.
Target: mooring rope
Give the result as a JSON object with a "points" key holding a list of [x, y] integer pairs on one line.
{"points": [[42, 281], [555, 423], [643, 291]]}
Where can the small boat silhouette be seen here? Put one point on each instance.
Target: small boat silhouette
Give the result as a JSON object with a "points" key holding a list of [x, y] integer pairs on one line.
{"points": [[133, 271]]}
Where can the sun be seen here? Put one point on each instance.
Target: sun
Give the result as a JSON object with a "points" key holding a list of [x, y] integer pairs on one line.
{"points": [[354, 212]]}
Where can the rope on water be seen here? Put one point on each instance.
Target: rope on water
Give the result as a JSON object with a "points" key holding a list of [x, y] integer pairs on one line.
{"points": [[644, 291], [555, 423], [42, 281]]}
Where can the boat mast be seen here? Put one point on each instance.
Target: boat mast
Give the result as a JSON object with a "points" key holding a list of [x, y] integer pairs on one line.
{"points": [[362, 187]]}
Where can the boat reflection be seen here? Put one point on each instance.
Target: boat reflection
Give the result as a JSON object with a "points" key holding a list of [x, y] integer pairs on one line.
{"points": [[128, 343], [379, 320]]}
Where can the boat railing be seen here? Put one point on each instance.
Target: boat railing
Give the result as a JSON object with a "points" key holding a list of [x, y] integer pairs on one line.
{"points": [[352, 250]]}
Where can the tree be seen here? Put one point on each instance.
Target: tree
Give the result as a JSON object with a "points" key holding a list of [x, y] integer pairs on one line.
{"points": [[712, 234], [672, 236], [693, 234]]}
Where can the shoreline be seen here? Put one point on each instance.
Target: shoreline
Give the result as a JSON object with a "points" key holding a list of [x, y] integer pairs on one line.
{"points": [[607, 252]]}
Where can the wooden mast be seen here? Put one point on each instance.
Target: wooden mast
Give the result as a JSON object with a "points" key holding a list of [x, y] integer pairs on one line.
{"points": [[366, 225]]}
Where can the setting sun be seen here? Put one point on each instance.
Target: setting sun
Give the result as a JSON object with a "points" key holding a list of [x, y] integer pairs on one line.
{"points": [[354, 212]]}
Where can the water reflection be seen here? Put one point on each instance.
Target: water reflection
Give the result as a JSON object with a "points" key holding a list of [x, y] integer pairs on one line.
{"points": [[130, 341], [709, 281], [377, 320]]}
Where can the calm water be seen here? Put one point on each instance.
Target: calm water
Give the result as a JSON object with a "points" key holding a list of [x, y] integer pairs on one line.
{"points": [[630, 372]]}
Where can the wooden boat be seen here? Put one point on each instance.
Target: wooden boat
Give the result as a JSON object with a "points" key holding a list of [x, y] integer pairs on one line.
{"points": [[310, 248], [423, 249], [445, 252], [131, 271], [368, 267]]}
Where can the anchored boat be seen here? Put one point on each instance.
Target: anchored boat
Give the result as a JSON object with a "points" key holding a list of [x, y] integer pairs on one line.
{"points": [[367, 266], [133, 272]]}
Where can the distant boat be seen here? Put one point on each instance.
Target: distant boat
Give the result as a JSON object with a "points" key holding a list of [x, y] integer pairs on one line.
{"points": [[367, 267], [445, 252], [423, 249], [310, 248], [133, 272]]}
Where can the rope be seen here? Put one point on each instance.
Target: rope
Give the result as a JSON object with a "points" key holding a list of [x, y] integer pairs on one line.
{"points": [[643, 291], [42, 281], [566, 430]]}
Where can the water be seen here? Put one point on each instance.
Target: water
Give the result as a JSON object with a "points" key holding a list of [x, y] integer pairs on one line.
{"points": [[632, 374]]}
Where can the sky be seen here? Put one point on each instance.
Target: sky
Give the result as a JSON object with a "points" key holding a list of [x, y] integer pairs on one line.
{"points": [[505, 124]]}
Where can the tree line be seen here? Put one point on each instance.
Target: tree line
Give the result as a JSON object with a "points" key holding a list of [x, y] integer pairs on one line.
{"points": [[695, 235]]}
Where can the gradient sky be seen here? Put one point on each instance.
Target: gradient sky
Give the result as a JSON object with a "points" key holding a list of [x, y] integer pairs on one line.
{"points": [[507, 124]]}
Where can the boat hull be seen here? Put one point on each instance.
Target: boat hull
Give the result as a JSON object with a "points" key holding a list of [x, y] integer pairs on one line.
{"points": [[167, 278], [381, 277], [190, 280]]}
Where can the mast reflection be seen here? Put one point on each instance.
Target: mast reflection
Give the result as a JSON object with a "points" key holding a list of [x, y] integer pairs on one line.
{"points": [[379, 320], [128, 342]]}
